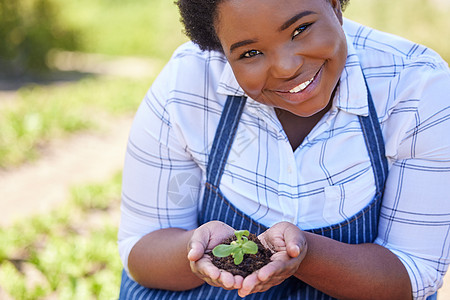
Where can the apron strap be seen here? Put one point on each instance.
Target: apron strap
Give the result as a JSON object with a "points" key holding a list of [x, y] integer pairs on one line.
{"points": [[375, 144], [226, 130]]}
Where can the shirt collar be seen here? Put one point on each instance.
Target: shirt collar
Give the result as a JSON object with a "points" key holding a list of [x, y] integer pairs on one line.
{"points": [[352, 91], [228, 84], [351, 95]]}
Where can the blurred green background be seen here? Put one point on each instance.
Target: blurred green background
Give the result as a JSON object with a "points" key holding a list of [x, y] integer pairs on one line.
{"points": [[52, 86]]}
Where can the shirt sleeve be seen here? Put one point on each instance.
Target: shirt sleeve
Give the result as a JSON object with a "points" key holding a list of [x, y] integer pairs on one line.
{"points": [[161, 182], [415, 214]]}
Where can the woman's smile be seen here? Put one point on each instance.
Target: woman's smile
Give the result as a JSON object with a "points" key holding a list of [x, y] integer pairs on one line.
{"points": [[303, 91], [301, 86]]}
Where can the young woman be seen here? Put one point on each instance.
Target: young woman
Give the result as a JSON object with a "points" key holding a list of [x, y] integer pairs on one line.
{"points": [[328, 139]]}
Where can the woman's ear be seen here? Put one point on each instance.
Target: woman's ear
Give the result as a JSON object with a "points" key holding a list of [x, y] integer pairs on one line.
{"points": [[336, 4]]}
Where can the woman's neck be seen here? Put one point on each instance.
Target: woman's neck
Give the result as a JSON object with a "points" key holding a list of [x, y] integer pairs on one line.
{"points": [[296, 127]]}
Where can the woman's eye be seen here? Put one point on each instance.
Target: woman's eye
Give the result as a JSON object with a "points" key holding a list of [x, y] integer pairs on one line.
{"points": [[250, 53], [300, 29]]}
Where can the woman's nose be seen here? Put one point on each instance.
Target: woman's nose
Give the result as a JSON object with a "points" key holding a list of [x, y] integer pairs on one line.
{"points": [[285, 64]]}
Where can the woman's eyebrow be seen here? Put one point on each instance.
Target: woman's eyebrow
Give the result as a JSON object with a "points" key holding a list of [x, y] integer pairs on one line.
{"points": [[285, 25], [240, 44], [295, 18]]}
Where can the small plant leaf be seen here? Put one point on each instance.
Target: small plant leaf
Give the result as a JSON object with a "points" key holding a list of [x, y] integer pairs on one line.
{"points": [[240, 233], [223, 250], [250, 247], [238, 257], [237, 248]]}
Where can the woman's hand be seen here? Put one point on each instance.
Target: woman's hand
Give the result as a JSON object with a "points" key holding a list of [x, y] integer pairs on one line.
{"points": [[205, 238], [289, 246]]}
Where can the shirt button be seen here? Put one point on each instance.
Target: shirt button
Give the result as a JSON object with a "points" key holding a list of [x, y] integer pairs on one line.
{"points": [[289, 169]]}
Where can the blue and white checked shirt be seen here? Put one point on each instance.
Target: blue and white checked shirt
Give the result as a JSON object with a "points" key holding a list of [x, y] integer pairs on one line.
{"points": [[327, 178]]}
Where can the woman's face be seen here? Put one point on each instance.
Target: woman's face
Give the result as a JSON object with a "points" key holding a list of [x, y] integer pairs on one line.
{"points": [[284, 53]]}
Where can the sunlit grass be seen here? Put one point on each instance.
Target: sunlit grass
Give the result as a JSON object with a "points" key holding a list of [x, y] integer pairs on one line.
{"points": [[69, 253], [95, 196], [43, 113], [139, 27], [422, 21]]}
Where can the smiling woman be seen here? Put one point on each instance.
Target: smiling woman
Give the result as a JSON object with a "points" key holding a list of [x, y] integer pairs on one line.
{"points": [[344, 164]]}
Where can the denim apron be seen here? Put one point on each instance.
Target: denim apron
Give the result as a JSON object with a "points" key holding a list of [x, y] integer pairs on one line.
{"points": [[360, 228]]}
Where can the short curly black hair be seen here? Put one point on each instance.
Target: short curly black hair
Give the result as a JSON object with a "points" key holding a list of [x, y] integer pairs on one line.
{"points": [[198, 18]]}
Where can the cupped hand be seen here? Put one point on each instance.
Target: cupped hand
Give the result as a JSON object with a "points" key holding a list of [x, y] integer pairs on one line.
{"points": [[288, 243], [204, 239]]}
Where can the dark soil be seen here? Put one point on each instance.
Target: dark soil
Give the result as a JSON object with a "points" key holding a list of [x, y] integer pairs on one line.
{"points": [[251, 262]]}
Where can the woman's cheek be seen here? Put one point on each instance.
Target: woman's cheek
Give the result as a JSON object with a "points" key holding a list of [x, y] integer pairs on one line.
{"points": [[331, 46], [251, 82]]}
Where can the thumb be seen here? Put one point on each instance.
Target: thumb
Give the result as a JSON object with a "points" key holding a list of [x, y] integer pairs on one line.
{"points": [[293, 250], [295, 243], [196, 250], [198, 244]]}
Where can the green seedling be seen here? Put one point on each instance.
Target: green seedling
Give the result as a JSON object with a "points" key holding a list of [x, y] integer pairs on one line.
{"points": [[237, 248]]}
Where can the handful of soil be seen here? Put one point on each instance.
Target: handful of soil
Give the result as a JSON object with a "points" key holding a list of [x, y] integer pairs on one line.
{"points": [[251, 262]]}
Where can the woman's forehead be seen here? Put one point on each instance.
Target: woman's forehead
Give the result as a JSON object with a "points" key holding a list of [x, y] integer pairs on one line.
{"points": [[253, 8], [252, 14]]}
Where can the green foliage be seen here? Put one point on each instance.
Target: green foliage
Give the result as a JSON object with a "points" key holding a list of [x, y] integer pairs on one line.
{"points": [[29, 29], [424, 22], [95, 196], [237, 248], [69, 253], [43, 113], [138, 27]]}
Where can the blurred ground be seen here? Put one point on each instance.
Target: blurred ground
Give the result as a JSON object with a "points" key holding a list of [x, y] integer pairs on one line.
{"points": [[38, 187], [92, 156]]}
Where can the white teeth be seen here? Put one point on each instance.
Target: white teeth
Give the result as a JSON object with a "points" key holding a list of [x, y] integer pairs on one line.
{"points": [[301, 86]]}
